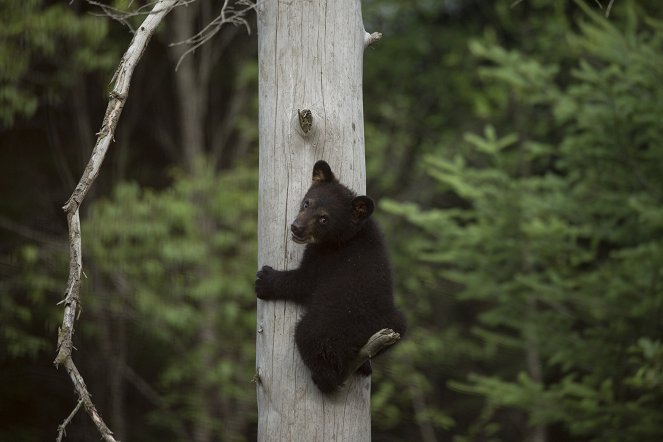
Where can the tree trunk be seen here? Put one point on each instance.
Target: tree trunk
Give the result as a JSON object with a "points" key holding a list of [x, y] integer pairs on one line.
{"points": [[192, 87], [190, 93], [310, 57], [538, 433]]}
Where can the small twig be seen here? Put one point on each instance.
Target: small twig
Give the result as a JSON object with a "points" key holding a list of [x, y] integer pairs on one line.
{"points": [[376, 343], [86, 398], [607, 10], [63, 425], [228, 15], [123, 17]]}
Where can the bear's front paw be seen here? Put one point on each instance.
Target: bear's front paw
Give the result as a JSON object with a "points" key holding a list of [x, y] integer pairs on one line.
{"points": [[264, 279]]}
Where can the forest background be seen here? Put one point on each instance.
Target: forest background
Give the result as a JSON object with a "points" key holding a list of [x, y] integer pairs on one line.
{"points": [[515, 152]]}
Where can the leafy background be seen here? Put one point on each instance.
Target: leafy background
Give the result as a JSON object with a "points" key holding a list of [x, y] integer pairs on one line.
{"points": [[515, 151]]}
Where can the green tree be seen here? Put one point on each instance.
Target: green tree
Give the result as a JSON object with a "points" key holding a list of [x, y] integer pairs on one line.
{"points": [[173, 277], [53, 40], [557, 240]]}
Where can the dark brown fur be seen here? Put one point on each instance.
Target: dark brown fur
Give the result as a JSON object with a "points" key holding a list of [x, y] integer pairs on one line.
{"points": [[344, 280]]}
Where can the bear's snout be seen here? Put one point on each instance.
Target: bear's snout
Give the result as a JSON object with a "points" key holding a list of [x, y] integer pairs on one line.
{"points": [[297, 229]]}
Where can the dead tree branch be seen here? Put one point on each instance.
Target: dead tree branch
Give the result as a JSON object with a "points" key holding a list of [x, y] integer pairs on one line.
{"points": [[122, 80], [230, 14], [123, 17], [63, 425], [376, 343]]}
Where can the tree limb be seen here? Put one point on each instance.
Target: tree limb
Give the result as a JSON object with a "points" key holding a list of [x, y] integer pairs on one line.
{"points": [[122, 80], [122, 16], [379, 341], [228, 14], [118, 95], [63, 425], [370, 39]]}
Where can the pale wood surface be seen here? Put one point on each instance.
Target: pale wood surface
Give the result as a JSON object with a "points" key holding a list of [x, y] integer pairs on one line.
{"points": [[310, 57]]}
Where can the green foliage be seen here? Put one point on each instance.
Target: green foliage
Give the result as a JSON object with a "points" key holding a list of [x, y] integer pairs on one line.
{"points": [[29, 291], [525, 140], [52, 40], [182, 261], [422, 99], [557, 237]]}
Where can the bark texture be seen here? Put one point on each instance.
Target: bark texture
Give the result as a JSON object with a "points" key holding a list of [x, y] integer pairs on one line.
{"points": [[310, 58]]}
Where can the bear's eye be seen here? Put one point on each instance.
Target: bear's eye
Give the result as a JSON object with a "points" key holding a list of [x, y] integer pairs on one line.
{"points": [[322, 219], [305, 204]]}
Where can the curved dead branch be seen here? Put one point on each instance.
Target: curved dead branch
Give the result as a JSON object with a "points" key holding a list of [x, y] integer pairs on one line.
{"points": [[122, 80]]}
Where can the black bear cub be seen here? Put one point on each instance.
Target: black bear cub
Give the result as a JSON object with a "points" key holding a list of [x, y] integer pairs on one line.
{"points": [[344, 280]]}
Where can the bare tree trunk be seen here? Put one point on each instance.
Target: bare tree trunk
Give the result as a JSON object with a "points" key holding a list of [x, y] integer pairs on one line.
{"points": [[310, 57], [190, 93], [192, 99], [537, 433]]}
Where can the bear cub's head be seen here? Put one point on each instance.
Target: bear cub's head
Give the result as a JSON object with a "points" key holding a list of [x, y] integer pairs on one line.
{"points": [[330, 213]]}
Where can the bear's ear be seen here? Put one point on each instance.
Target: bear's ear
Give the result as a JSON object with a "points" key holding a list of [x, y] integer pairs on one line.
{"points": [[362, 208], [322, 173]]}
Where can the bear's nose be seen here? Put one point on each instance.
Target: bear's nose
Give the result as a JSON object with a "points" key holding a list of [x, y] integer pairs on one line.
{"points": [[296, 229]]}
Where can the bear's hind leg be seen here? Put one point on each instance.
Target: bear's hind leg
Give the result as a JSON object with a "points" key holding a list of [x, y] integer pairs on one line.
{"points": [[327, 381], [327, 364], [327, 369]]}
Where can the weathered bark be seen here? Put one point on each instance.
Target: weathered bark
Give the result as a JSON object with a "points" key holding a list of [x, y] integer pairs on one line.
{"points": [[375, 344], [310, 57]]}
